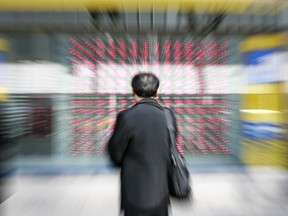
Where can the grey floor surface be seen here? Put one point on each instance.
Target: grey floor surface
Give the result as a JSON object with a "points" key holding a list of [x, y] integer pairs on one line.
{"points": [[257, 191]]}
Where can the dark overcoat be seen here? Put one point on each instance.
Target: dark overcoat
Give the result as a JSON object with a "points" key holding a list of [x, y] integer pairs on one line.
{"points": [[140, 146]]}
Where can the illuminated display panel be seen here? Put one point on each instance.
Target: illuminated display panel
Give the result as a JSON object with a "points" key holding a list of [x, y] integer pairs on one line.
{"points": [[194, 83]]}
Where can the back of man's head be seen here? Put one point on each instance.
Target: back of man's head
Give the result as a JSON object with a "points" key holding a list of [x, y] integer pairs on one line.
{"points": [[145, 85]]}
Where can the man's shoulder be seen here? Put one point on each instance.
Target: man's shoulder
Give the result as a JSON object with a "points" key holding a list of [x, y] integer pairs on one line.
{"points": [[168, 108], [132, 111], [171, 112], [127, 111]]}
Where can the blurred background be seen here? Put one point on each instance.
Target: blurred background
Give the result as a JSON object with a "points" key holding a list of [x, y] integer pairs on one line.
{"points": [[65, 73]]}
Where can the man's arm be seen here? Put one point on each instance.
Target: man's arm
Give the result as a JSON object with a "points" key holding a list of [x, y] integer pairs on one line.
{"points": [[119, 140]]}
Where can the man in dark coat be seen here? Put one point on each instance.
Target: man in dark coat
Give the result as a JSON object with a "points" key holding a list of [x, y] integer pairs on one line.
{"points": [[140, 146]]}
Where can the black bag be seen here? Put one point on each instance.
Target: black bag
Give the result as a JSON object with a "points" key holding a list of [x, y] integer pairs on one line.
{"points": [[179, 178]]}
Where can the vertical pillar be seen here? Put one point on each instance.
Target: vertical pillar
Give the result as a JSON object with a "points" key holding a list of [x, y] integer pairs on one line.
{"points": [[4, 47], [262, 106]]}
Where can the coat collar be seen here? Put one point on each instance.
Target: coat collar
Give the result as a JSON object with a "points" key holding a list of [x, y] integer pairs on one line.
{"points": [[150, 101]]}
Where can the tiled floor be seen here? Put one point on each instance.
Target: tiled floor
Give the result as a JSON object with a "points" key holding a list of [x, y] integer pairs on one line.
{"points": [[259, 192]]}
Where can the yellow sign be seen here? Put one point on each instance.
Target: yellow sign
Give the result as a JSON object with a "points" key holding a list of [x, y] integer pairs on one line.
{"points": [[190, 5], [4, 46], [265, 41], [3, 94]]}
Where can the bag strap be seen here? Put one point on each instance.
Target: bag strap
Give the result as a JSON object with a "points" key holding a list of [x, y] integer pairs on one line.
{"points": [[171, 129], [176, 156]]}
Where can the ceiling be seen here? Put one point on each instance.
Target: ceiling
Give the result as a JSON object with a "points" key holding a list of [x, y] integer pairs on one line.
{"points": [[134, 16], [169, 21]]}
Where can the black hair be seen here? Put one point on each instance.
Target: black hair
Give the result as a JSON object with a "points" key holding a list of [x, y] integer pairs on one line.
{"points": [[145, 85]]}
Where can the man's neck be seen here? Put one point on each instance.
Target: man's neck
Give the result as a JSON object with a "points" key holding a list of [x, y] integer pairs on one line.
{"points": [[137, 98]]}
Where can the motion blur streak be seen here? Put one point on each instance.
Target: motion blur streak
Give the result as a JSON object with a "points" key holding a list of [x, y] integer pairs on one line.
{"points": [[65, 73]]}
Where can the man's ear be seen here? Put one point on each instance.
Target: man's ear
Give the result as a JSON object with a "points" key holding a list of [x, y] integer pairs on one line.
{"points": [[156, 94]]}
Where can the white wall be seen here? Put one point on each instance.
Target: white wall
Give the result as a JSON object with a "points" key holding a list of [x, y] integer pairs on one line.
{"points": [[36, 78], [175, 79], [225, 79]]}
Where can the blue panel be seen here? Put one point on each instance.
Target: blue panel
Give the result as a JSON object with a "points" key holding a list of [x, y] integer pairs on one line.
{"points": [[261, 130], [2, 56], [2, 60], [252, 58]]}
